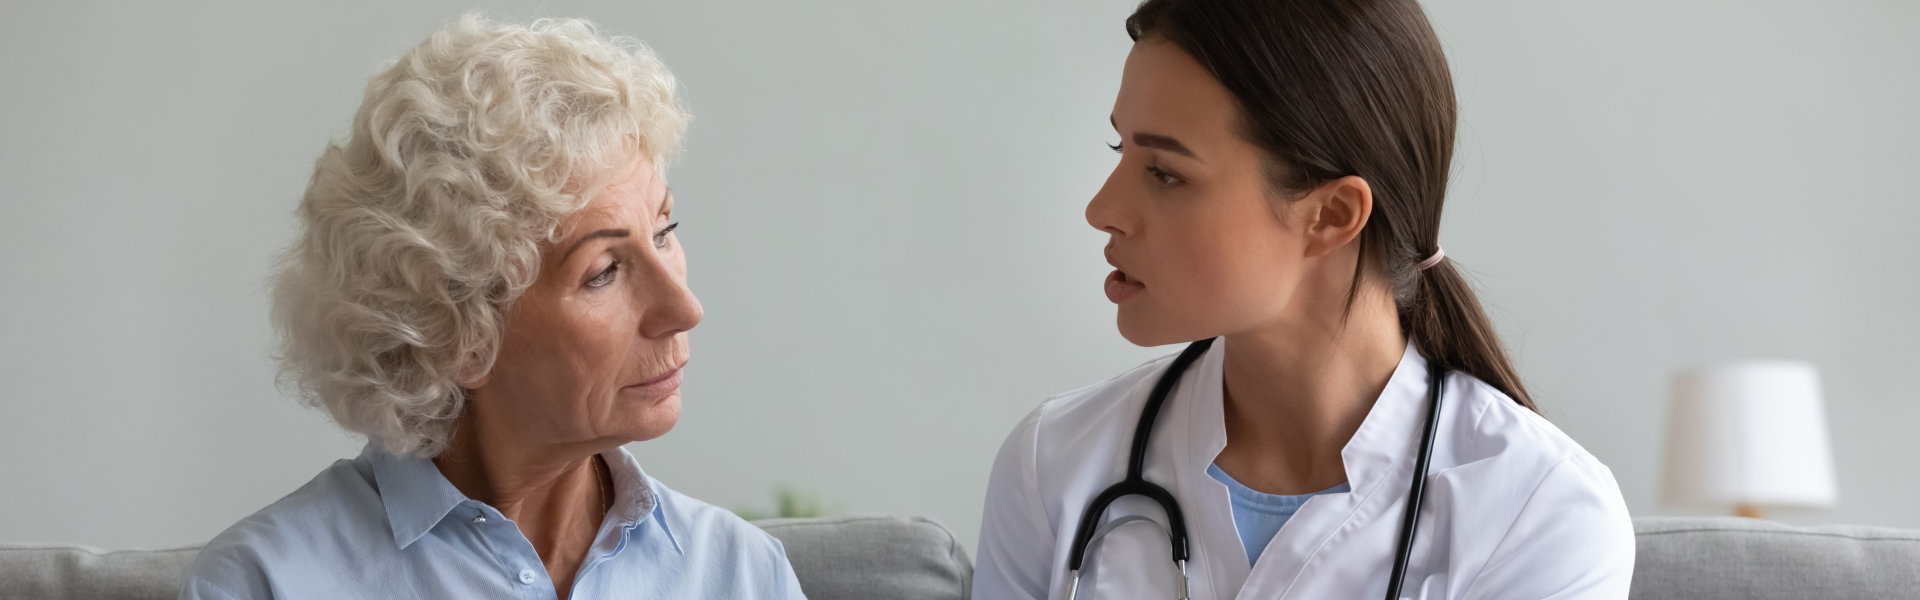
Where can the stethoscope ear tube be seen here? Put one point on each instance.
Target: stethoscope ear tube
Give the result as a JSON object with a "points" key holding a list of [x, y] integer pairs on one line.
{"points": [[1416, 491]]}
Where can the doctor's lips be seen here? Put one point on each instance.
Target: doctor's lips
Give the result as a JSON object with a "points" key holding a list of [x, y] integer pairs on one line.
{"points": [[1120, 287]]}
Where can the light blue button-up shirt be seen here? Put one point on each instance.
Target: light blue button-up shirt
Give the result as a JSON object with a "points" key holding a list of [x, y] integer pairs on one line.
{"points": [[381, 526]]}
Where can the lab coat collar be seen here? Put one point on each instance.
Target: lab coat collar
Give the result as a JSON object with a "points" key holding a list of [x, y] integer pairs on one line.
{"points": [[1214, 543], [1386, 438], [1380, 450], [1377, 446]]}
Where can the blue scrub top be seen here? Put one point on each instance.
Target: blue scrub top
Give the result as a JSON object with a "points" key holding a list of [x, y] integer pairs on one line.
{"points": [[1257, 515]]}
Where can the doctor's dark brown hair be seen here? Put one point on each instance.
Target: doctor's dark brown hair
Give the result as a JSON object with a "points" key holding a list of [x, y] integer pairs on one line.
{"points": [[1332, 88]]}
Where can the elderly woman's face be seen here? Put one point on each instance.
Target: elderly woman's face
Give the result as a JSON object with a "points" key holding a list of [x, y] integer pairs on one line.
{"points": [[592, 352]]}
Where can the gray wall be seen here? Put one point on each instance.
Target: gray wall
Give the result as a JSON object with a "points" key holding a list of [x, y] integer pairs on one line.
{"points": [[882, 204]]}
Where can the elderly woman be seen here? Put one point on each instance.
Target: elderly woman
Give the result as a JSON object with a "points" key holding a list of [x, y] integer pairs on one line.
{"points": [[487, 286]]}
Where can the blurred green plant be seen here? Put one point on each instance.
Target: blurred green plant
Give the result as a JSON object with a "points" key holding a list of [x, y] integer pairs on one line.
{"points": [[788, 503]]}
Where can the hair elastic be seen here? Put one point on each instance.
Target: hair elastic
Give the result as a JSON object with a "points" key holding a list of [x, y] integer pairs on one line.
{"points": [[1438, 253]]}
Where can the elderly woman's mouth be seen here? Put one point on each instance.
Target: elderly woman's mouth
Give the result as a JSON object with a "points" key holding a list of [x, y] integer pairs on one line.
{"points": [[666, 382]]}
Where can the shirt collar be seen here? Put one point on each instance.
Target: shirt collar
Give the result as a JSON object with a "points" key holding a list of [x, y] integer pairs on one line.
{"points": [[413, 492], [636, 497], [417, 497]]}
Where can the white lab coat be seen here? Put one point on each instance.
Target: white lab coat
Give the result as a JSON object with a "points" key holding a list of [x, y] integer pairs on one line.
{"points": [[1514, 509]]}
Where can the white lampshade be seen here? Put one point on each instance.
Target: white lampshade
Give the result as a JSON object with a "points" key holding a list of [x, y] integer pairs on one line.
{"points": [[1748, 433]]}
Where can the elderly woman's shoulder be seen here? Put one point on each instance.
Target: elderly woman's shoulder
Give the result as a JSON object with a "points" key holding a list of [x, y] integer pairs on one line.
{"points": [[320, 523], [716, 529]]}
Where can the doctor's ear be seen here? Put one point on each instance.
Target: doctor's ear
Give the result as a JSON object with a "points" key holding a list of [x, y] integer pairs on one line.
{"points": [[1333, 214]]}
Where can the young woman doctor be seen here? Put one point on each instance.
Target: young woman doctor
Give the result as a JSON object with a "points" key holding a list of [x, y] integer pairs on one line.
{"points": [[1282, 169]]}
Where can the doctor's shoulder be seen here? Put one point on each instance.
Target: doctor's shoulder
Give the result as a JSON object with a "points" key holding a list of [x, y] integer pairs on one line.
{"points": [[1070, 416], [1024, 513], [1561, 504], [1056, 433], [1489, 425], [1115, 400]]}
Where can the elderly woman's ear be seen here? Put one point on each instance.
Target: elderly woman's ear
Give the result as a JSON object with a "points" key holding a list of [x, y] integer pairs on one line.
{"points": [[474, 372]]}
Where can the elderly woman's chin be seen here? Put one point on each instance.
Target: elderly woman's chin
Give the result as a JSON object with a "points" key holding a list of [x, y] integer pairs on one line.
{"points": [[652, 407], [647, 416], [648, 410]]}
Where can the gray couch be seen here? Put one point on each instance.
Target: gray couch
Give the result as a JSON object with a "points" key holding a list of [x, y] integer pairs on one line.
{"points": [[902, 558], [1729, 557], [835, 557]]}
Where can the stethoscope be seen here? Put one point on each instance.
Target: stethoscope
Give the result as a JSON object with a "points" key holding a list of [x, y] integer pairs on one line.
{"points": [[1135, 485]]}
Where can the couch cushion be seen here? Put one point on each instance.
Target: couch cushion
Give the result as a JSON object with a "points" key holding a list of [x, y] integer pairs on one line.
{"points": [[838, 558], [1730, 557], [859, 558], [35, 571]]}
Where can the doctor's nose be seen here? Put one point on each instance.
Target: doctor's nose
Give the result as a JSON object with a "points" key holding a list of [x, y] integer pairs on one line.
{"points": [[1104, 213]]}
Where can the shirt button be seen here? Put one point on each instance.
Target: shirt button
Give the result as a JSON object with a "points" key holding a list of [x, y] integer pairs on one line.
{"points": [[480, 518], [527, 576]]}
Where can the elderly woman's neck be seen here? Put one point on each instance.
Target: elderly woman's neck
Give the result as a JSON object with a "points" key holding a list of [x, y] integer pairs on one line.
{"points": [[528, 483], [558, 495], [525, 479]]}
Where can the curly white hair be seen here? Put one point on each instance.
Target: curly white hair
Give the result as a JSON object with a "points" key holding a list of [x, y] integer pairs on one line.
{"points": [[422, 227]]}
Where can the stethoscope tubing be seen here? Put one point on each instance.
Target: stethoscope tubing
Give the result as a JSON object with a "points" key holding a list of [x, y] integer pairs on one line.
{"points": [[1135, 484], [1417, 490]]}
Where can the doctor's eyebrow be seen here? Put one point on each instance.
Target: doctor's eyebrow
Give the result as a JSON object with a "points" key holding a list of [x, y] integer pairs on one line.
{"points": [[1157, 141]]}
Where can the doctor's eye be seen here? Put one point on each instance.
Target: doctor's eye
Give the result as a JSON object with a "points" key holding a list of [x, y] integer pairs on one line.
{"points": [[1165, 179], [1115, 147]]}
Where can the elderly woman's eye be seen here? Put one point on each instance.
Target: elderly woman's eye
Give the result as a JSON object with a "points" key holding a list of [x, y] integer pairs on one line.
{"points": [[605, 276], [660, 238]]}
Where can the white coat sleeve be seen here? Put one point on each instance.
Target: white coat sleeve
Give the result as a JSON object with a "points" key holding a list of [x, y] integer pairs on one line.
{"points": [[1573, 539], [1016, 538]]}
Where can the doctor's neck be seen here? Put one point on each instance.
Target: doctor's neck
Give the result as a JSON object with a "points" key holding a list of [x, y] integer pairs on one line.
{"points": [[1298, 388]]}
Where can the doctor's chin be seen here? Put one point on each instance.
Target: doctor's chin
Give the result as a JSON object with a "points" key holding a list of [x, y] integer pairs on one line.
{"points": [[1084, 299]]}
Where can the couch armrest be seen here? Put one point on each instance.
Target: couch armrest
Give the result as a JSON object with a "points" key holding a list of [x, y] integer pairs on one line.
{"points": [[43, 571], [1730, 557], [880, 558]]}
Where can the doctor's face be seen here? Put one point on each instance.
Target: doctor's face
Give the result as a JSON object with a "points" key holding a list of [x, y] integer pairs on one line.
{"points": [[1199, 243], [592, 352]]}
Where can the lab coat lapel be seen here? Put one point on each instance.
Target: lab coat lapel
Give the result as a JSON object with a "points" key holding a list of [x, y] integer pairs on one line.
{"points": [[1219, 562], [1377, 460]]}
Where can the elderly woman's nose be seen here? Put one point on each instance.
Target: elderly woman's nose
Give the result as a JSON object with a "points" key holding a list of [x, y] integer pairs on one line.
{"points": [[671, 307]]}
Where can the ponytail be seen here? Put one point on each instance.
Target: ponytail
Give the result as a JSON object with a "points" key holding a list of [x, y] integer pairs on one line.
{"points": [[1447, 325]]}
